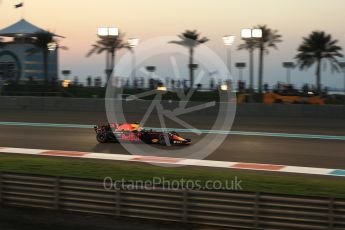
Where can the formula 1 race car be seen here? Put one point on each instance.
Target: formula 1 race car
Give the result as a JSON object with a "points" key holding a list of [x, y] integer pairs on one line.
{"points": [[135, 133]]}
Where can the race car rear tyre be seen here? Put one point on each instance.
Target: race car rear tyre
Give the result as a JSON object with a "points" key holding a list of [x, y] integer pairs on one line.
{"points": [[102, 138], [146, 138]]}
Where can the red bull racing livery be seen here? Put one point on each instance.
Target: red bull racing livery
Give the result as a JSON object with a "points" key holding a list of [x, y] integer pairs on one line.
{"points": [[134, 133]]}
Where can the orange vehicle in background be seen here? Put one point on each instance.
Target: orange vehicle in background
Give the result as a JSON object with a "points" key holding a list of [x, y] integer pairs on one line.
{"points": [[286, 94]]}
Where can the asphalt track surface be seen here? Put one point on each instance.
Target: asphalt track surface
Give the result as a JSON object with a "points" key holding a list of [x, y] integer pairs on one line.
{"points": [[283, 150]]}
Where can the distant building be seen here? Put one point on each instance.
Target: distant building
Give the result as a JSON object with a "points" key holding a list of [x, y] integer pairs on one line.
{"points": [[17, 63]]}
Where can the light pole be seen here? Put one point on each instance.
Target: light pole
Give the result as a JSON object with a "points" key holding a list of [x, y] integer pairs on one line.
{"points": [[108, 32], [151, 70], [288, 66], [251, 34], [240, 83], [342, 65], [228, 41], [241, 66], [132, 43]]}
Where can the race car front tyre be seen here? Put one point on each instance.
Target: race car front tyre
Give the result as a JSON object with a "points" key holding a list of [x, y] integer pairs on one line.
{"points": [[102, 138], [163, 139]]}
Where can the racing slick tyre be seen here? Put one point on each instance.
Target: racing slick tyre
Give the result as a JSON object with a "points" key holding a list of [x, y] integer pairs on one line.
{"points": [[146, 138], [102, 138], [163, 139], [111, 137]]}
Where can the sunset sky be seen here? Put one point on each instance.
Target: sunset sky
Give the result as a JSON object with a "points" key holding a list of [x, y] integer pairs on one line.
{"points": [[145, 19]]}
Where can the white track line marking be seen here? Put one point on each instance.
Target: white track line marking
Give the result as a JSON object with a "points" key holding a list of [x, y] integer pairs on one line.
{"points": [[316, 171], [21, 150]]}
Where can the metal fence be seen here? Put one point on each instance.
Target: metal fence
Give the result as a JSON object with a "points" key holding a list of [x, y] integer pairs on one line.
{"points": [[236, 210]]}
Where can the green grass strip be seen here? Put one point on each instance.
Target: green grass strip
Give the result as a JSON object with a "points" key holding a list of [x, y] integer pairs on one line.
{"points": [[95, 169]]}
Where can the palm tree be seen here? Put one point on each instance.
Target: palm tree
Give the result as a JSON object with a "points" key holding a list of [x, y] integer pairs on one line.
{"points": [[41, 41], [268, 40], [249, 44], [316, 47], [58, 48], [191, 39], [108, 44]]}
